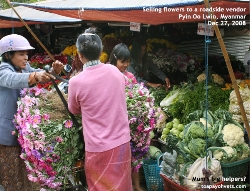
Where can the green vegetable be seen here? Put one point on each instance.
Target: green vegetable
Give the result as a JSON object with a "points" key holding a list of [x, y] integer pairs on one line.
{"points": [[180, 127], [197, 146], [169, 99], [193, 130], [154, 152], [192, 96], [181, 135], [194, 116], [151, 134], [165, 131], [169, 125], [172, 140], [224, 154], [210, 133], [159, 94], [180, 159], [223, 114], [176, 121], [183, 149], [243, 151], [211, 118]]}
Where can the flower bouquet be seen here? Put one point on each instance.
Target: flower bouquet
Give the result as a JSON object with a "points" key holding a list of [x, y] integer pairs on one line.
{"points": [[142, 120], [50, 143]]}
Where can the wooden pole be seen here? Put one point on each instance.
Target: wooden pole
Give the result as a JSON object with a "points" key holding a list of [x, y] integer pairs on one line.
{"points": [[33, 34], [229, 67]]}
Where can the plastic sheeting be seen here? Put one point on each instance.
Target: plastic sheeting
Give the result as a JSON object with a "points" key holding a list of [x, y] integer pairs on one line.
{"points": [[16, 24], [154, 12], [30, 14]]}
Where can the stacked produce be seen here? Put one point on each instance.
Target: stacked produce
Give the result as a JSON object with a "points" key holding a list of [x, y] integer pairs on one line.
{"points": [[174, 127], [186, 98], [234, 107], [210, 137]]}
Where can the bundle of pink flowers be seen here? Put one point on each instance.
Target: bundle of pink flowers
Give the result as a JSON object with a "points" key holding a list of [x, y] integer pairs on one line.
{"points": [[142, 120], [49, 148]]}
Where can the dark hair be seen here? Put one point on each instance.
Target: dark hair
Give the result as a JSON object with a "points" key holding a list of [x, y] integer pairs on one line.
{"points": [[89, 44], [119, 52], [136, 48], [5, 58]]}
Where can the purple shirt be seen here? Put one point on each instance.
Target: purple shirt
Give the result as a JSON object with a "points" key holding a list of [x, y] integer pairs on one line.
{"points": [[98, 94]]}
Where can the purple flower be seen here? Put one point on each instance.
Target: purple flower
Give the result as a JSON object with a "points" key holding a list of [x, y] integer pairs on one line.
{"points": [[36, 154], [49, 149]]}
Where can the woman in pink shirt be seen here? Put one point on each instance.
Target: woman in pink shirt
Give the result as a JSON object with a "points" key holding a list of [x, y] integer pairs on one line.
{"points": [[120, 57], [98, 94]]}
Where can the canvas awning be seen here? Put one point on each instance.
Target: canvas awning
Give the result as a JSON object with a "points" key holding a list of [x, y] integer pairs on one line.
{"points": [[9, 19], [14, 24], [152, 12]]}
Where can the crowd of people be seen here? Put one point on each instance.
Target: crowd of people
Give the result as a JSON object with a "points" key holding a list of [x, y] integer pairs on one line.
{"points": [[97, 94]]}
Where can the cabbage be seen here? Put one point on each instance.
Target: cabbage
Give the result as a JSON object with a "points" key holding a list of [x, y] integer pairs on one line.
{"points": [[168, 100], [151, 134], [154, 152]]}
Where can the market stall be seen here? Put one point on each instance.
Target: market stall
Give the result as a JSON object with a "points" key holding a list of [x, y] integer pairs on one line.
{"points": [[198, 128]]}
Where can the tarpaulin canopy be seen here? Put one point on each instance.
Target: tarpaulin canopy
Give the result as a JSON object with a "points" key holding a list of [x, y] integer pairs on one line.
{"points": [[152, 12], [32, 16], [14, 24]]}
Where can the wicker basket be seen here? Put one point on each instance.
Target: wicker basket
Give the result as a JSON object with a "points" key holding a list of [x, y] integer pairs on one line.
{"points": [[235, 169], [152, 175]]}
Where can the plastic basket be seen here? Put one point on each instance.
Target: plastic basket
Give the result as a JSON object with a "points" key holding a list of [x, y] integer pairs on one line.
{"points": [[152, 175], [235, 169], [169, 185]]}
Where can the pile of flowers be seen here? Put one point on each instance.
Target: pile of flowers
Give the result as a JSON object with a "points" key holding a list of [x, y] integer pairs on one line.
{"points": [[48, 85], [215, 78], [110, 40], [70, 50], [142, 120], [39, 60], [155, 43], [173, 61], [49, 140]]}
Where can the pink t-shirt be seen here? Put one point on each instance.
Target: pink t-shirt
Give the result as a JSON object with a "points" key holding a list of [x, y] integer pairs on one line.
{"points": [[98, 94]]}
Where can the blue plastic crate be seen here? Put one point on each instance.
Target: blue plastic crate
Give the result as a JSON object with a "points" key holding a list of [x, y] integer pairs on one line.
{"points": [[154, 181]]}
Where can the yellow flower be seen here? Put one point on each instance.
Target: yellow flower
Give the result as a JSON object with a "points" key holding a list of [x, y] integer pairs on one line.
{"points": [[104, 57], [154, 41], [70, 50], [201, 77], [228, 86]]}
